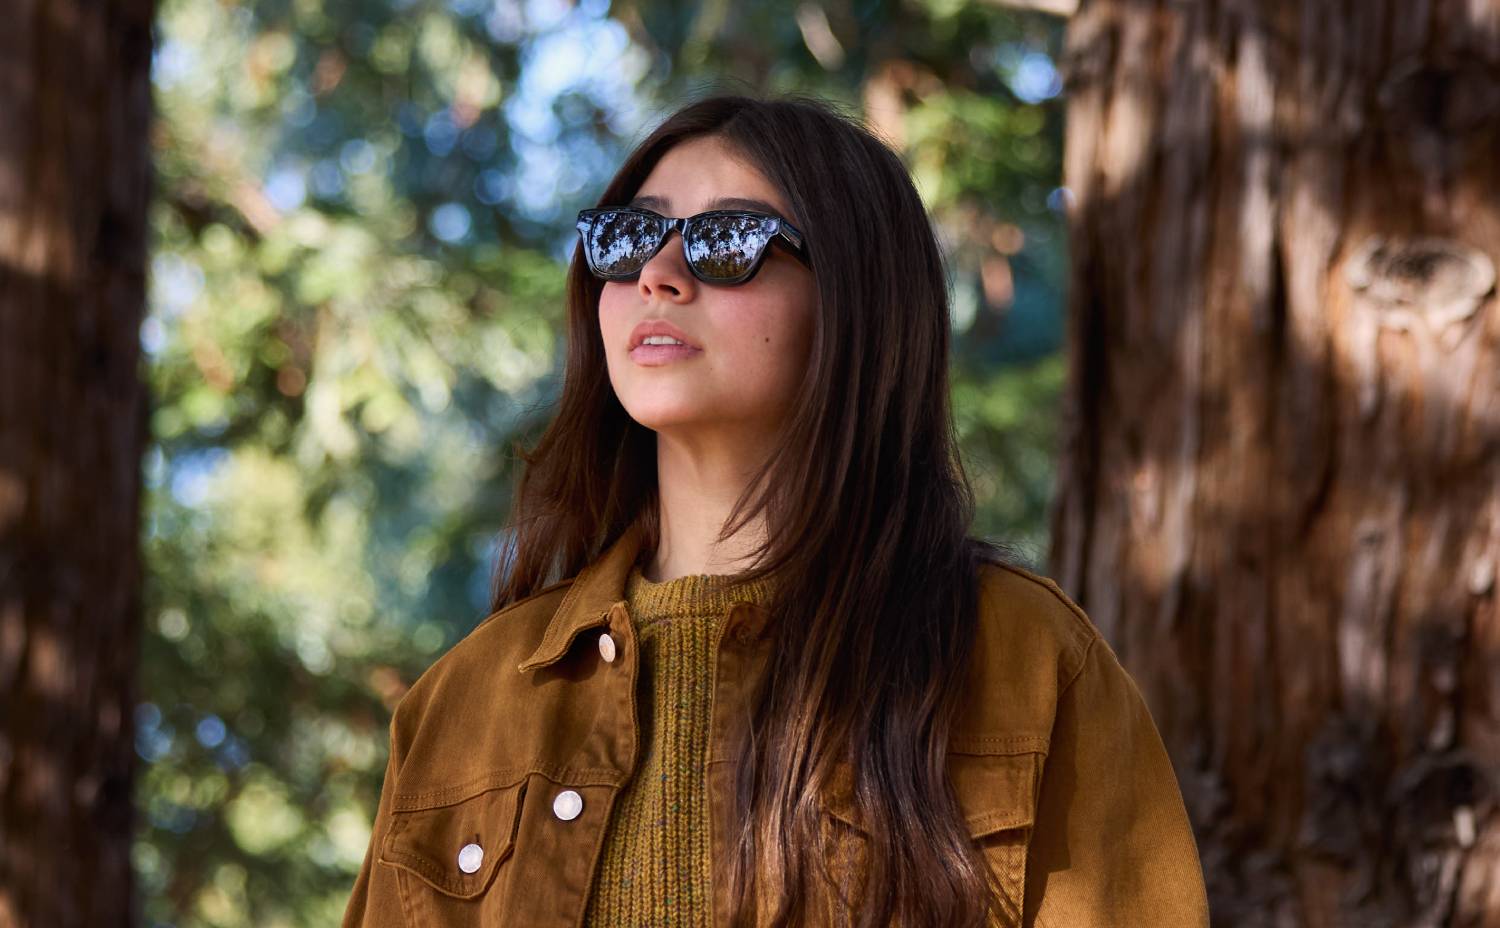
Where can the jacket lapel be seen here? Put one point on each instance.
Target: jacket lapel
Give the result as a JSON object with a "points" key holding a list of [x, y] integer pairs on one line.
{"points": [[596, 589]]}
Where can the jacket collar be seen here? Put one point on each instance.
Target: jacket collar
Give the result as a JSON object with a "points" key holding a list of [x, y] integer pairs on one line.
{"points": [[589, 599]]}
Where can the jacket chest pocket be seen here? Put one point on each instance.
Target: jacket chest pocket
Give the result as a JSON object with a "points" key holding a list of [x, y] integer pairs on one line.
{"points": [[450, 851], [997, 794]]}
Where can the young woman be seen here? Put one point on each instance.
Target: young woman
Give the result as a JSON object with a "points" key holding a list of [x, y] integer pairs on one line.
{"points": [[744, 665]]}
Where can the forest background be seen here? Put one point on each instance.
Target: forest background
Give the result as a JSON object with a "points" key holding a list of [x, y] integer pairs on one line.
{"points": [[281, 294]]}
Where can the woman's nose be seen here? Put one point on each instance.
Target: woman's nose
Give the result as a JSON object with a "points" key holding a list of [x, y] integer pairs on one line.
{"points": [[668, 271]]}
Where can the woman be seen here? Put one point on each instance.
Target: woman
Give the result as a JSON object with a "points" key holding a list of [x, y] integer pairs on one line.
{"points": [[776, 682]]}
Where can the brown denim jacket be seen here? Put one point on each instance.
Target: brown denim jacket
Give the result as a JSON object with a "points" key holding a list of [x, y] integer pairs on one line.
{"points": [[507, 755]]}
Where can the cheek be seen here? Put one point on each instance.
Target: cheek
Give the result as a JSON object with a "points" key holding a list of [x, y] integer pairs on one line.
{"points": [[790, 333], [772, 342], [611, 313]]}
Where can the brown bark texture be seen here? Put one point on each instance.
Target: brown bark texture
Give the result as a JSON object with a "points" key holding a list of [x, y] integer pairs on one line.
{"points": [[1279, 494], [74, 186]]}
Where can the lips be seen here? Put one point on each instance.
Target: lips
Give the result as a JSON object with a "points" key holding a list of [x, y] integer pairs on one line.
{"points": [[659, 327]]}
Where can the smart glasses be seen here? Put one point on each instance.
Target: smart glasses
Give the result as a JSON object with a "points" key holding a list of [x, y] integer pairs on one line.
{"points": [[723, 246]]}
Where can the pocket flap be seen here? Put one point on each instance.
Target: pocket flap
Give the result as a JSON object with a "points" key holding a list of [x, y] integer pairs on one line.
{"points": [[995, 791], [428, 842]]}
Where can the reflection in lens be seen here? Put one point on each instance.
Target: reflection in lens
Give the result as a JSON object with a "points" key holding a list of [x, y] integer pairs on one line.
{"points": [[726, 246], [620, 242]]}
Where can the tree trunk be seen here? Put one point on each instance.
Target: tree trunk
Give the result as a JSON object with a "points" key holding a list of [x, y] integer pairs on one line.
{"points": [[1280, 486], [74, 184]]}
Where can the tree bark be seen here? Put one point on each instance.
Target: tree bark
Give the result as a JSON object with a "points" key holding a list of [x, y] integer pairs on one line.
{"points": [[74, 186], [1280, 487]]}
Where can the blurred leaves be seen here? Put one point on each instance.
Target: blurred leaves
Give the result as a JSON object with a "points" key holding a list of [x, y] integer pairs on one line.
{"points": [[362, 209]]}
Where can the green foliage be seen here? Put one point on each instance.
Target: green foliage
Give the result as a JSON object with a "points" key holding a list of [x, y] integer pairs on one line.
{"points": [[362, 211]]}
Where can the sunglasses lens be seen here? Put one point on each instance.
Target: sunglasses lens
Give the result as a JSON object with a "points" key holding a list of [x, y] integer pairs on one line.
{"points": [[725, 247], [619, 242]]}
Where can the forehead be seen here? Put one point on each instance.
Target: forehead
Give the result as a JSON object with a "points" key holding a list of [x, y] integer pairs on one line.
{"points": [[705, 173]]}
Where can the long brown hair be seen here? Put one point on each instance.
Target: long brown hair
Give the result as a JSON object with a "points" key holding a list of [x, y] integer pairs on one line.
{"points": [[868, 510]]}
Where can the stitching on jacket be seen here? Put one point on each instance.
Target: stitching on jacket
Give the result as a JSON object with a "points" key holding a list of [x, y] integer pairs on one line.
{"points": [[1041, 922], [434, 874], [1026, 743], [1078, 672], [498, 779], [1091, 631], [560, 641], [583, 910], [549, 633], [506, 778], [403, 890], [523, 601]]}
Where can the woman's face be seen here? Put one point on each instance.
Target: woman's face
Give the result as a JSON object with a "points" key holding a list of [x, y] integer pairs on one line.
{"points": [[753, 340]]}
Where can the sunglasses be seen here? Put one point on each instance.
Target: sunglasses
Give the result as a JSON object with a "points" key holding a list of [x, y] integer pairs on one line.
{"points": [[723, 246]]}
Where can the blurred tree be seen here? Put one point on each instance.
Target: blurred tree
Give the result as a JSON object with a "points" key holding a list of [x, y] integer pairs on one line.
{"points": [[1280, 488], [74, 187], [363, 219]]}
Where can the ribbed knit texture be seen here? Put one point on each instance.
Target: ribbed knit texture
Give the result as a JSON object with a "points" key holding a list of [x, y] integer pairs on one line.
{"points": [[654, 867]]}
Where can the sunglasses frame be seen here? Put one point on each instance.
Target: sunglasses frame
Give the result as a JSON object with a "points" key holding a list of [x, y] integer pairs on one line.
{"points": [[784, 234]]}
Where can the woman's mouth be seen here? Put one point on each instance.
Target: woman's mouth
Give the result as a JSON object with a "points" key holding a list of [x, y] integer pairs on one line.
{"points": [[657, 355]]}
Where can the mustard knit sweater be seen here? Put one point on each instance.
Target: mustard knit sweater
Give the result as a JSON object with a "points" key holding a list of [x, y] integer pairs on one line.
{"points": [[654, 866]]}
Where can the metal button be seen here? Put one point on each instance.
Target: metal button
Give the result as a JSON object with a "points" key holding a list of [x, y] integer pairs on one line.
{"points": [[470, 857], [567, 805], [607, 648]]}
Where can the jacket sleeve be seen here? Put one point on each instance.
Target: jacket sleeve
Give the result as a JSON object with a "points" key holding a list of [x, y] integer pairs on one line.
{"points": [[1112, 846], [374, 902]]}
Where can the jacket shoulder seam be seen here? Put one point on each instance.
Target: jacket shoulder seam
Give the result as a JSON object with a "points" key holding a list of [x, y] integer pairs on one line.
{"points": [[1083, 661], [1051, 586], [1080, 620]]}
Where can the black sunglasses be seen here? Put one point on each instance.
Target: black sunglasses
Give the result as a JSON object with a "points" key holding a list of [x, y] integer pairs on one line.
{"points": [[723, 246]]}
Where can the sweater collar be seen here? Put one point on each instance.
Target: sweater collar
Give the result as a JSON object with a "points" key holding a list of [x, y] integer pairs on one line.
{"points": [[690, 596]]}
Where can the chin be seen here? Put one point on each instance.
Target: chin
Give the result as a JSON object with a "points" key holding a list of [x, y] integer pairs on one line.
{"points": [[657, 418]]}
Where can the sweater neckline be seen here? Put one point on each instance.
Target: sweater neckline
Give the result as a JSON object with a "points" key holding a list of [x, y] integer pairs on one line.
{"points": [[690, 595]]}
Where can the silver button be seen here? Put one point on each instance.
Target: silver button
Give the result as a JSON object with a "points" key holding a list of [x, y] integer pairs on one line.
{"points": [[470, 857], [567, 805], [607, 648]]}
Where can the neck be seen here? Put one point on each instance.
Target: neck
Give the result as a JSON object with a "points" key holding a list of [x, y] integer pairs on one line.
{"points": [[697, 488]]}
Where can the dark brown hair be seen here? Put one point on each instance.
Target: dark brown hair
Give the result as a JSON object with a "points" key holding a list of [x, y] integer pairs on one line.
{"points": [[868, 509]]}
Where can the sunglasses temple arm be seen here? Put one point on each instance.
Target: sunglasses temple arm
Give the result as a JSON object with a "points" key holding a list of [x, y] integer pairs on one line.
{"points": [[794, 239]]}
